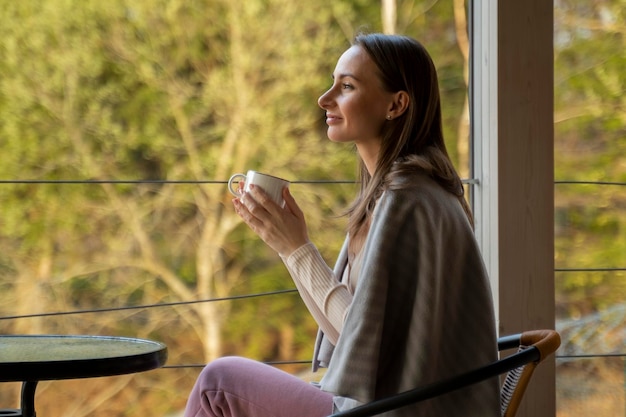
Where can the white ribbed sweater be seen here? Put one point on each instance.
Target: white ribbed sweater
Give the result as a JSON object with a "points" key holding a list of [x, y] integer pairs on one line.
{"points": [[325, 296]]}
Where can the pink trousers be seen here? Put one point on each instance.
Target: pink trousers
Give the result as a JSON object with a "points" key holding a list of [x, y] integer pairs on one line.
{"points": [[239, 387]]}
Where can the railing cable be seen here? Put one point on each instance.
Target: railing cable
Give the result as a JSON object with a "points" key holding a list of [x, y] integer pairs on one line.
{"points": [[146, 306]]}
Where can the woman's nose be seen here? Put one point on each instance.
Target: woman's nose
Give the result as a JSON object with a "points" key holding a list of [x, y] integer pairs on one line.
{"points": [[324, 100]]}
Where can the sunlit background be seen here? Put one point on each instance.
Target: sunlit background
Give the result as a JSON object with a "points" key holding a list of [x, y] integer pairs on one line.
{"points": [[121, 121]]}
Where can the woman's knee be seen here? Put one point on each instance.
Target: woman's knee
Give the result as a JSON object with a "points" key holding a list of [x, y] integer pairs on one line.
{"points": [[223, 373]]}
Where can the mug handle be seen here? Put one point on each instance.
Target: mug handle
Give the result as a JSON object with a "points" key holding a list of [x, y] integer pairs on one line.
{"points": [[231, 182]]}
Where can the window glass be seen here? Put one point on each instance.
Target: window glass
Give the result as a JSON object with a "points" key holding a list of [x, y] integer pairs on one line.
{"points": [[590, 205]]}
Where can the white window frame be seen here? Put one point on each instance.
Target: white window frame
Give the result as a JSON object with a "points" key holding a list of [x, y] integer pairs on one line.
{"points": [[484, 131]]}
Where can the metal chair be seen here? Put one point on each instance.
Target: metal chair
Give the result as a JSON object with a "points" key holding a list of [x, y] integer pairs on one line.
{"points": [[533, 347]]}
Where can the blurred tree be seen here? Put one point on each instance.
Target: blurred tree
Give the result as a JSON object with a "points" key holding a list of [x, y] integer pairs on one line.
{"points": [[152, 90], [189, 90], [590, 142]]}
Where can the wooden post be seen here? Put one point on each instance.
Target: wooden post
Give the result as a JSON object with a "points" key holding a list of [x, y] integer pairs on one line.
{"points": [[526, 181], [513, 161]]}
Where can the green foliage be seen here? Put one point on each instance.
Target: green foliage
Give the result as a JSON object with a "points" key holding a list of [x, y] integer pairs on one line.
{"points": [[590, 145], [199, 89], [179, 90]]}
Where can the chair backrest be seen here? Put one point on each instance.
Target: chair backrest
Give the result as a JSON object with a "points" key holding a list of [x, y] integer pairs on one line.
{"points": [[514, 386], [533, 347]]}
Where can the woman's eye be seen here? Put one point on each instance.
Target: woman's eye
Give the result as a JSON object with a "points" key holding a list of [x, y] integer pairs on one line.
{"points": [[346, 86]]}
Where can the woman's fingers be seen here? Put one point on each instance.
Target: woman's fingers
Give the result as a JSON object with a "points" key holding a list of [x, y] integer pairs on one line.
{"points": [[283, 229], [253, 210], [291, 204], [243, 212], [259, 198]]}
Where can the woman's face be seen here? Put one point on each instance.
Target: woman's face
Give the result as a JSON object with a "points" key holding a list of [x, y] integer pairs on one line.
{"points": [[356, 104]]}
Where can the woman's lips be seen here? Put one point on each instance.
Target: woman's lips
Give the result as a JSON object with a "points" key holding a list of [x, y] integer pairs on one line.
{"points": [[332, 119]]}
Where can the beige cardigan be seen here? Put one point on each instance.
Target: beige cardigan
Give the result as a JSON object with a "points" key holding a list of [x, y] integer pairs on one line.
{"points": [[422, 309]]}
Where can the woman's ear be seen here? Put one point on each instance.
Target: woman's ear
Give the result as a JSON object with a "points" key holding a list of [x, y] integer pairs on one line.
{"points": [[399, 104]]}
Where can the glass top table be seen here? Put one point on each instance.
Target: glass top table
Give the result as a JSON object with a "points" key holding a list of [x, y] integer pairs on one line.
{"points": [[33, 358]]}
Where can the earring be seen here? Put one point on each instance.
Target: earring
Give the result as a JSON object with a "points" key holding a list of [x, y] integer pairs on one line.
{"points": [[388, 117]]}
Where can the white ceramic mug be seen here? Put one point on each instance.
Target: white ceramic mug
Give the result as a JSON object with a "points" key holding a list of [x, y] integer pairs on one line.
{"points": [[273, 186]]}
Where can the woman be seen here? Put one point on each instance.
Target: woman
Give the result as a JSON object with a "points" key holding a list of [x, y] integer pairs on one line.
{"points": [[408, 301]]}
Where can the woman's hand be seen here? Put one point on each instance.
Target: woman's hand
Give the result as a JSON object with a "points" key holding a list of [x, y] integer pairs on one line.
{"points": [[282, 228]]}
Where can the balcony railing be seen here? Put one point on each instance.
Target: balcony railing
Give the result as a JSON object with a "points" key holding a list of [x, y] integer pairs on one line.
{"points": [[584, 339]]}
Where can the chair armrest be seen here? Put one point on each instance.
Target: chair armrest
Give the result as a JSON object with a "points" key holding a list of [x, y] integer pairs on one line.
{"points": [[509, 342], [494, 369]]}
